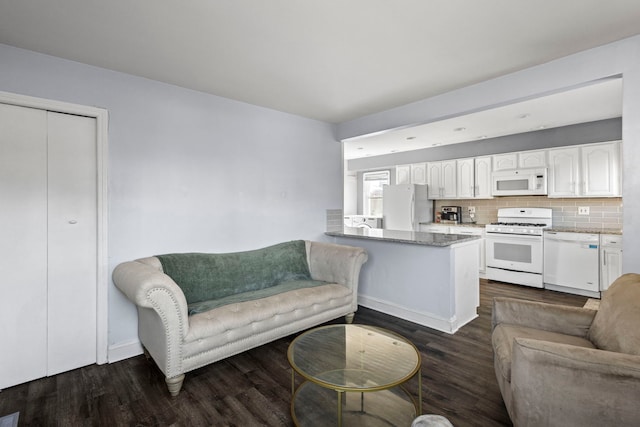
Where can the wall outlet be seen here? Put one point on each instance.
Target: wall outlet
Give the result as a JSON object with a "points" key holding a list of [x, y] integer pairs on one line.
{"points": [[583, 210], [472, 209]]}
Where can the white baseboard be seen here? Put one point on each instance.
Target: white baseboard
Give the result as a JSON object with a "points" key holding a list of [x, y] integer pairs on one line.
{"points": [[583, 292], [429, 320], [124, 350]]}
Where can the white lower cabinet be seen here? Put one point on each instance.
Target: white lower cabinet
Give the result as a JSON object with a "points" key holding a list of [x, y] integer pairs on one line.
{"points": [[461, 229], [610, 259], [434, 228], [475, 231]]}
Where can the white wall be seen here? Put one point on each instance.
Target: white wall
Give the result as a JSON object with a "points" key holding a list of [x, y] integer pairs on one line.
{"points": [[190, 171], [620, 58]]}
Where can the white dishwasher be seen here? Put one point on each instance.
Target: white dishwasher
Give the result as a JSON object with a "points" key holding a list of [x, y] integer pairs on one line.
{"points": [[571, 263]]}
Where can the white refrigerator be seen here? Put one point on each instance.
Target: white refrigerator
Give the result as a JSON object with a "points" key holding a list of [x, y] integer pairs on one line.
{"points": [[405, 206]]}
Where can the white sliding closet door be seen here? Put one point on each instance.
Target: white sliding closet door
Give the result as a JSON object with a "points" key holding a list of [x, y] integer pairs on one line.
{"points": [[23, 244], [72, 242], [48, 249]]}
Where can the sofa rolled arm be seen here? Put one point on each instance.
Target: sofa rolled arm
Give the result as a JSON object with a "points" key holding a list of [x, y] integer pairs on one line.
{"points": [[149, 287], [335, 263], [561, 384], [562, 319]]}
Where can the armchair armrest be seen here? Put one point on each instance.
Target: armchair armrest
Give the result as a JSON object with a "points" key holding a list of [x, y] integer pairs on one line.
{"points": [[334, 263], [149, 287], [560, 384], [549, 317]]}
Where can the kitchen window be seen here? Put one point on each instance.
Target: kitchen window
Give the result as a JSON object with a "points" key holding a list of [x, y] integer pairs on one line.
{"points": [[372, 183]]}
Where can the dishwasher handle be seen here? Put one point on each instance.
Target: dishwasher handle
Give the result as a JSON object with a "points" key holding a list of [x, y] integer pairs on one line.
{"points": [[554, 237], [591, 242]]}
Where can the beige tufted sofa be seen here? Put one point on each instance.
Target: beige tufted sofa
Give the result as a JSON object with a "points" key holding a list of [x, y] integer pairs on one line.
{"points": [[179, 342]]}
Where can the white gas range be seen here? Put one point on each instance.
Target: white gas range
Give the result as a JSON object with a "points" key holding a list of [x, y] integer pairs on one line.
{"points": [[514, 245]]}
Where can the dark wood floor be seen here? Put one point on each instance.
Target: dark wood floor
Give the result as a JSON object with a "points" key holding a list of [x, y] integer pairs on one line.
{"points": [[253, 388]]}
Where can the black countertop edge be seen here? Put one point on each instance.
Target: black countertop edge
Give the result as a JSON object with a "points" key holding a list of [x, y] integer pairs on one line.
{"points": [[400, 236]]}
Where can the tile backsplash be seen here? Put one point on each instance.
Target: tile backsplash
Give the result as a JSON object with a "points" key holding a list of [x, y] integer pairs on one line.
{"points": [[335, 220], [604, 213]]}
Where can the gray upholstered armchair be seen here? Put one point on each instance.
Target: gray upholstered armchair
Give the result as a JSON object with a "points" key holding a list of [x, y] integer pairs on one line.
{"points": [[569, 366]]}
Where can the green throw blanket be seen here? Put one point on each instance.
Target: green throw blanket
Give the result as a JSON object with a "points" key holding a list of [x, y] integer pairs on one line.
{"points": [[206, 277]]}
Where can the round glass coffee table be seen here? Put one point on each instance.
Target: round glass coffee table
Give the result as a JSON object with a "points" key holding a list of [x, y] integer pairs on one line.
{"points": [[353, 375]]}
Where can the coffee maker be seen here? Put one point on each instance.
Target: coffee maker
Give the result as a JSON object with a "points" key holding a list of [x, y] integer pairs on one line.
{"points": [[451, 214]]}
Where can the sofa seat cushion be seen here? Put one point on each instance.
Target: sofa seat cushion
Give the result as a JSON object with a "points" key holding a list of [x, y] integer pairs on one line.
{"points": [[504, 334], [202, 306], [204, 277], [232, 322]]}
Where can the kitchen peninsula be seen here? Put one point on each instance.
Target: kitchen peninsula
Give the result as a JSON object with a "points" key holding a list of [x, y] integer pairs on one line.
{"points": [[427, 278]]}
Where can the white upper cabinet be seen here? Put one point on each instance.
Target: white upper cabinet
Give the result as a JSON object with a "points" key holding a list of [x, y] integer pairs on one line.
{"points": [[411, 174], [505, 161], [434, 179], [460, 179], [483, 177], [591, 170], [564, 176], [403, 174], [601, 170], [449, 179], [520, 160], [532, 159], [441, 178], [466, 178], [419, 173], [474, 178]]}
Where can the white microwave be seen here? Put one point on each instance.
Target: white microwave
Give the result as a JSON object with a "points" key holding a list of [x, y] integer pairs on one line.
{"points": [[519, 182]]}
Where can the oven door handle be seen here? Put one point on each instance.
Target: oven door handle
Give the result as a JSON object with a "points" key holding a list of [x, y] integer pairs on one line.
{"points": [[520, 237]]}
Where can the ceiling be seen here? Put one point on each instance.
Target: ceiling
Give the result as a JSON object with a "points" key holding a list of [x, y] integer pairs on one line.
{"points": [[596, 101], [330, 60]]}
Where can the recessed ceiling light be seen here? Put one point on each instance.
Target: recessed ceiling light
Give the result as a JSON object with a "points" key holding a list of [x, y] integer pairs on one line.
{"points": [[436, 144], [394, 151], [360, 148], [524, 116], [409, 138], [460, 129], [483, 137]]}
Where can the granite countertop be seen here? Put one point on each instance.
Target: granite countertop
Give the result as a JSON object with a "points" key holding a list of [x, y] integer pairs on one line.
{"points": [[617, 231], [455, 224], [399, 236]]}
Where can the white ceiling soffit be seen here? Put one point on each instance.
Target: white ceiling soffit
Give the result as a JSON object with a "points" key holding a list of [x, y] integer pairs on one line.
{"points": [[331, 60], [597, 101]]}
